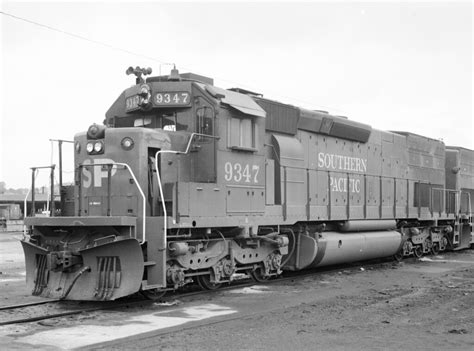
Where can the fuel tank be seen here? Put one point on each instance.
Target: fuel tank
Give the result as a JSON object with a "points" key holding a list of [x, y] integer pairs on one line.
{"points": [[336, 248], [367, 225]]}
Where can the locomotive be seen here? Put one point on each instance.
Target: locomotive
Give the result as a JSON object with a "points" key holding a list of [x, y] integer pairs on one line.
{"points": [[185, 182]]}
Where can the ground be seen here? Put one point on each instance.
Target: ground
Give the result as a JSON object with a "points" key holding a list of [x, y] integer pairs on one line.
{"points": [[12, 271], [416, 304]]}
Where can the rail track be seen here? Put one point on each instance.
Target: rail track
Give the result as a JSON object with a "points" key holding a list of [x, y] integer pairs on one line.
{"points": [[14, 307], [29, 312]]}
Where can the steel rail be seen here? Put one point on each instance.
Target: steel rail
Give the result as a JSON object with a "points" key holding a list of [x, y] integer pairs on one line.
{"points": [[314, 272], [40, 318], [71, 313], [13, 307]]}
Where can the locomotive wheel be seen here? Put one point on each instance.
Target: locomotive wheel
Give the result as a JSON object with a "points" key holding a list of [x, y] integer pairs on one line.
{"points": [[435, 248], [418, 251], [153, 294], [204, 281], [399, 255], [444, 242], [258, 276]]}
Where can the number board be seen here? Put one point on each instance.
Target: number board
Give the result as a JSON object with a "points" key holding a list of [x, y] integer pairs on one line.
{"points": [[175, 98], [131, 103]]}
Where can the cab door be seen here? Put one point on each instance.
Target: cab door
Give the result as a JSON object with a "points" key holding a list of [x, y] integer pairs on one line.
{"points": [[204, 161]]}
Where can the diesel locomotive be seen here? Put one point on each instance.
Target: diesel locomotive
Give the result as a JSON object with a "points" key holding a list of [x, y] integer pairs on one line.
{"points": [[185, 182]]}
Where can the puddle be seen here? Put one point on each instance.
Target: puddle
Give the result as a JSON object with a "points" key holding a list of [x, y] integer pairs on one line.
{"points": [[256, 289], [427, 259], [6, 280], [84, 335]]}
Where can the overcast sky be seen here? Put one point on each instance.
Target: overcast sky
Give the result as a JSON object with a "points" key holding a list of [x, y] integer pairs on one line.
{"points": [[393, 65]]}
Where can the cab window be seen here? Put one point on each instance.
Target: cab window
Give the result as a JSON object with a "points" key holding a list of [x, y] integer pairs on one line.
{"points": [[205, 120]]}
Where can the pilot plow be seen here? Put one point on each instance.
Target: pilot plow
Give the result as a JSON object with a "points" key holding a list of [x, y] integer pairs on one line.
{"points": [[103, 272]]}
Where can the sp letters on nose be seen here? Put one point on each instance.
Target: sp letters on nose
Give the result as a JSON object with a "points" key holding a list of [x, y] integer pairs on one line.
{"points": [[93, 171]]}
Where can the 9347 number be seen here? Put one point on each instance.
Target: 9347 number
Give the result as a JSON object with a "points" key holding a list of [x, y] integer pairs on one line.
{"points": [[174, 98], [241, 173]]}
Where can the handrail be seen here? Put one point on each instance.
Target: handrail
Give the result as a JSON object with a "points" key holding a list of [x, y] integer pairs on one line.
{"points": [[34, 173], [458, 198], [25, 209], [137, 184], [158, 176], [24, 212]]}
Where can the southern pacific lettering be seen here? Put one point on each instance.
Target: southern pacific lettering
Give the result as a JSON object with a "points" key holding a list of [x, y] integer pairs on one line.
{"points": [[342, 163]]}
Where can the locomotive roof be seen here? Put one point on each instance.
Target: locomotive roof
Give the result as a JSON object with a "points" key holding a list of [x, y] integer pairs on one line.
{"points": [[242, 102], [416, 135], [184, 76], [459, 148]]}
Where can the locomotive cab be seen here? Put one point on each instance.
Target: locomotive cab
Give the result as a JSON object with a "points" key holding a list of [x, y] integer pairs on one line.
{"points": [[168, 145]]}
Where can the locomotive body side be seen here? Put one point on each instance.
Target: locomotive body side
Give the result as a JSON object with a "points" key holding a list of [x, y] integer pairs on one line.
{"points": [[189, 182]]}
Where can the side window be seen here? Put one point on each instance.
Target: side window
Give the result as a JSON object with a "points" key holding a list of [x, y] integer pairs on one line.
{"points": [[241, 133], [205, 120]]}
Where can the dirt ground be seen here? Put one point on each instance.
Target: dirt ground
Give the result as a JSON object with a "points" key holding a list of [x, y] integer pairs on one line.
{"points": [[413, 305], [12, 271]]}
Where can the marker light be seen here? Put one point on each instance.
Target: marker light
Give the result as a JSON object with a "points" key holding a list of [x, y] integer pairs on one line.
{"points": [[98, 146], [78, 147], [90, 147], [127, 143]]}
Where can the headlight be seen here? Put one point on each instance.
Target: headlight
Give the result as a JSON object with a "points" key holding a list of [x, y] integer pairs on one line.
{"points": [[98, 146], [90, 147], [127, 143], [78, 147], [144, 96]]}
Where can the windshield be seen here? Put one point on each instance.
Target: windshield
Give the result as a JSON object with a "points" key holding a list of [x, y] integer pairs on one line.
{"points": [[167, 120]]}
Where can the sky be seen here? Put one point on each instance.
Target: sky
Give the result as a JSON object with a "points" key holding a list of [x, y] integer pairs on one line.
{"points": [[393, 65]]}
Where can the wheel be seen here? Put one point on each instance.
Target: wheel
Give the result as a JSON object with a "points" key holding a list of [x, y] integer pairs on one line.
{"points": [[435, 248], [204, 281], [258, 276], [444, 243], [418, 251], [399, 255], [153, 294]]}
